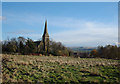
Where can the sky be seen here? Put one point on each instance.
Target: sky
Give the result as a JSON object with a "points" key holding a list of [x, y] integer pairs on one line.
{"points": [[87, 24]]}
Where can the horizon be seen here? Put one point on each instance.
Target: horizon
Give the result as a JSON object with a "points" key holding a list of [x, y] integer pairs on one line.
{"points": [[72, 24]]}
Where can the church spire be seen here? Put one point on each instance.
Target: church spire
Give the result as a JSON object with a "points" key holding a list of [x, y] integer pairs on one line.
{"points": [[45, 30], [45, 39]]}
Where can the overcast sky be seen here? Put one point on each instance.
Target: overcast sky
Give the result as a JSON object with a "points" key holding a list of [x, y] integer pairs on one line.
{"points": [[74, 24]]}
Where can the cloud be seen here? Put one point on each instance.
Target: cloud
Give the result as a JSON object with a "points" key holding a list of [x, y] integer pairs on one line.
{"points": [[87, 33], [2, 18], [21, 32], [66, 22], [81, 33], [117, 43], [29, 19], [73, 31]]}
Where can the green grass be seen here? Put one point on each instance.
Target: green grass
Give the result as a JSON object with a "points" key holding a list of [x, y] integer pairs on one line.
{"points": [[24, 68]]}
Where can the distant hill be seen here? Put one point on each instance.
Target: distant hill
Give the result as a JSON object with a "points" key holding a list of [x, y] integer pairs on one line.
{"points": [[82, 49]]}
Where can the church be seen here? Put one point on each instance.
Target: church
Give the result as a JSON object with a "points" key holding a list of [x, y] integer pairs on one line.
{"points": [[45, 40]]}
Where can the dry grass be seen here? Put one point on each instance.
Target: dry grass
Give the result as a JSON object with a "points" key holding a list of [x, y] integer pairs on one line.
{"points": [[59, 69], [26, 60]]}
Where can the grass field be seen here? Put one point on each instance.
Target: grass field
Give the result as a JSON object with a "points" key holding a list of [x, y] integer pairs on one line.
{"points": [[24, 68]]}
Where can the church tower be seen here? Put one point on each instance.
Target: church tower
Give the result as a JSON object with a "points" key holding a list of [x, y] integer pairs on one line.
{"points": [[45, 38]]}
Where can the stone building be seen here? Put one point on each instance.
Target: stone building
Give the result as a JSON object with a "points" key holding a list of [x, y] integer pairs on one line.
{"points": [[45, 41], [45, 38]]}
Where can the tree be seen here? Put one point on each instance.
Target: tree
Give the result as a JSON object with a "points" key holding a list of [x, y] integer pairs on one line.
{"points": [[21, 45], [109, 51], [21, 39], [30, 47], [94, 53], [0, 47], [57, 49], [40, 48], [21, 48], [10, 46]]}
